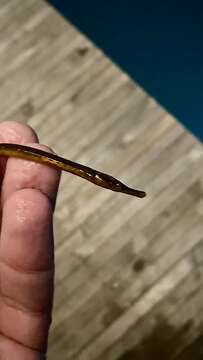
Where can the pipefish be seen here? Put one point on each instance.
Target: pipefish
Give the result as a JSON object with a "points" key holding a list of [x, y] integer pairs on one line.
{"points": [[44, 157]]}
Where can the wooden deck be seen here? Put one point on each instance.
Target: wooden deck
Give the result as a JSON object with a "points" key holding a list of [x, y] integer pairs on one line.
{"points": [[129, 272]]}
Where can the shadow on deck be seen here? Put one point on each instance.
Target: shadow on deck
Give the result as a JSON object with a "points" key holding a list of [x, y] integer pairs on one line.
{"points": [[166, 342]]}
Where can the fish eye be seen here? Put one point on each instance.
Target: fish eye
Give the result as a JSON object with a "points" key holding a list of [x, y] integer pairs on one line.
{"points": [[109, 179]]}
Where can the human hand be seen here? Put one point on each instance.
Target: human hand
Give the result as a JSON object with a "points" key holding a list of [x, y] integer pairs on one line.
{"points": [[27, 198]]}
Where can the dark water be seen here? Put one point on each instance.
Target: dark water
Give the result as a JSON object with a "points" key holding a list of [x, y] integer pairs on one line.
{"points": [[159, 43]]}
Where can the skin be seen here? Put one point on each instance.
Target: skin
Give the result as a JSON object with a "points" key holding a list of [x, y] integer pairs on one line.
{"points": [[28, 195]]}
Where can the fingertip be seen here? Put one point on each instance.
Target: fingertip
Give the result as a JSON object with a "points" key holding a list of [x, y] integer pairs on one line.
{"points": [[22, 174], [17, 132]]}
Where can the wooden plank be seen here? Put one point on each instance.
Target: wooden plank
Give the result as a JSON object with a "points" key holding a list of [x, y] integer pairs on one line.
{"points": [[118, 328], [166, 317]]}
